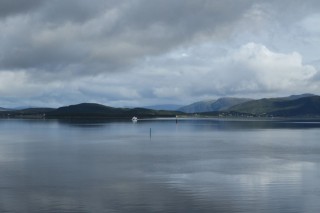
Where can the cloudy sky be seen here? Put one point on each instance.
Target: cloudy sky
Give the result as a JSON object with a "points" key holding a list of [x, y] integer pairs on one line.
{"points": [[147, 52]]}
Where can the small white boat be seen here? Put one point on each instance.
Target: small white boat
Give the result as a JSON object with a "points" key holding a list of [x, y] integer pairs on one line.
{"points": [[134, 119]]}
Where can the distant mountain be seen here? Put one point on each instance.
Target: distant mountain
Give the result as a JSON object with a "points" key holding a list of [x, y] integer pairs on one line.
{"points": [[226, 103], [26, 113], [34, 110], [24, 107], [294, 106], [213, 105], [3, 109], [101, 111], [294, 97], [173, 107], [200, 106], [305, 105]]}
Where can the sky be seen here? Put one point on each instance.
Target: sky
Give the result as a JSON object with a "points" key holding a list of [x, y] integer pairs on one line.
{"points": [[147, 52]]}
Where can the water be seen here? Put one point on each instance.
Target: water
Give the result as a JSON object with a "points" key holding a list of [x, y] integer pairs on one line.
{"points": [[191, 166]]}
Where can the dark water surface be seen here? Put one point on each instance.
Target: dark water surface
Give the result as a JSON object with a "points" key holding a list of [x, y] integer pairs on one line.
{"points": [[192, 166]]}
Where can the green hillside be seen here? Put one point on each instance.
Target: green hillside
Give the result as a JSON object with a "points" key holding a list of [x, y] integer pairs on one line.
{"points": [[98, 110], [305, 106]]}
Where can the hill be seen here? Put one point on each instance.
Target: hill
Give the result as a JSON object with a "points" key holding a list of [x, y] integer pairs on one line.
{"points": [[294, 97], [305, 105], [221, 104], [286, 107], [97, 110], [26, 113]]}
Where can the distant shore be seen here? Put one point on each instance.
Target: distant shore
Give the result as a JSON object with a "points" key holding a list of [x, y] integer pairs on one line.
{"points": [[184, 117]]}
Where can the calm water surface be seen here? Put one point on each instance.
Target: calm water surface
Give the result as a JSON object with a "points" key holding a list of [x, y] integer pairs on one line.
{"points": [[191, 166]]}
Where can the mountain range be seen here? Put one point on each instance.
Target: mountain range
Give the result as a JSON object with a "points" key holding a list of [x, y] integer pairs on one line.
{"points": [[220, 104], [3, 109], [305, 105], [87, 110]]}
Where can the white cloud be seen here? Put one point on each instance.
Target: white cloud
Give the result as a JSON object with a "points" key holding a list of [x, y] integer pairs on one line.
{"points": [[250, 69], [182, 76], [274, 71]]}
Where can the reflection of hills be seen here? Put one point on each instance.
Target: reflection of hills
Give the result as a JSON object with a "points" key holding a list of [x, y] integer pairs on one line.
{"points": [[243, 124]]}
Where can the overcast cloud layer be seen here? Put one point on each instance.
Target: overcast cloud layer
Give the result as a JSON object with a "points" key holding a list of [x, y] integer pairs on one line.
{"points": [[146, 52]]}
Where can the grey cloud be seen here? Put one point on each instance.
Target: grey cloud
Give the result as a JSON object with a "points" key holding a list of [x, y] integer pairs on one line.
{"points": [[187, 14], [59, 12], [13, 7], [79, 32], [292, 10], [138, 49], [178, 21]]}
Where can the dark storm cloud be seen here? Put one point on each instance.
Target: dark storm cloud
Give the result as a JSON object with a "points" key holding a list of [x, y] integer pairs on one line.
{"points": [[167, 24], [99, 36], [12, 7], [59, 12], [188, 16]]}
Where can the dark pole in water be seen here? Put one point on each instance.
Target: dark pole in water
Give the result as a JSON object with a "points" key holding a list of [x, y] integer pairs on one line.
{"points": [[150, 133]]}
